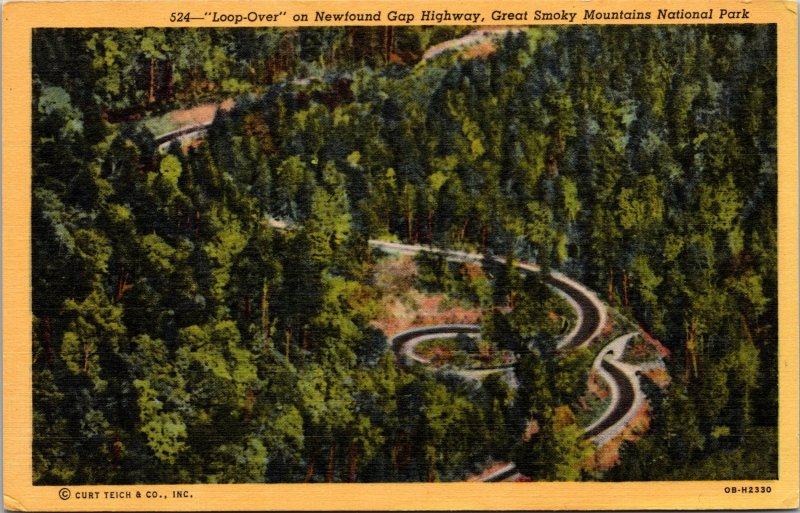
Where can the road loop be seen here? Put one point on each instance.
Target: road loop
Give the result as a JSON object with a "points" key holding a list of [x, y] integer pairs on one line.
{"points": [[626, 395]]}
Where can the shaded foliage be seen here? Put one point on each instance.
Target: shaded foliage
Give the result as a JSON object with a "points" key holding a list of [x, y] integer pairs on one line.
{"points": [[180, 334]]}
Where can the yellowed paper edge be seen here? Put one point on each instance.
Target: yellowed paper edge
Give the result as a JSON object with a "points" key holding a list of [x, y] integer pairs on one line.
{"points": [[19, 493]]}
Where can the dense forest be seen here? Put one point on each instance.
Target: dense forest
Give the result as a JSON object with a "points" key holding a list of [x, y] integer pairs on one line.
{"points": [[205, 313]]}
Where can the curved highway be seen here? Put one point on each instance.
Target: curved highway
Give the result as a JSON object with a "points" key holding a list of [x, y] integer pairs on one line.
{"points": [[183, 134], [626, 396], [591, 312], [473, 38], [404, 343], [623, 404], [505, 472]]}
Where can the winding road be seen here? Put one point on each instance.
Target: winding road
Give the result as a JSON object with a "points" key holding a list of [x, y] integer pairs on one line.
{"points": [[473, 38], [591, 312], [403, 343], [622, 405], [626, 395], [183, 134], [592, 315]]}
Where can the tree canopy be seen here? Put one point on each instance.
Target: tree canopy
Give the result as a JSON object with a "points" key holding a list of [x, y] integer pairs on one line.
{"points": [[203, 314]]}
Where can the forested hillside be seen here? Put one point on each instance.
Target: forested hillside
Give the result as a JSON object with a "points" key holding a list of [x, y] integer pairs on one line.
{"points": [[206, 314]]}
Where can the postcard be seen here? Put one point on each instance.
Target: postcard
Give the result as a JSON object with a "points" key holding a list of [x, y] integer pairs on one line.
{"points": [[420, 255]]}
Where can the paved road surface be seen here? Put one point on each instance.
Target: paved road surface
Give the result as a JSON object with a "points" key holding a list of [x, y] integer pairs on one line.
{"points": [[591, 313], [623, 404], [590, 310], [626, 396], [590, 316]]}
